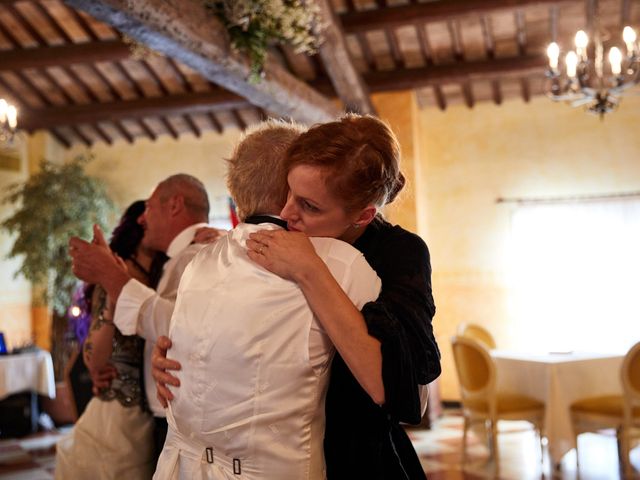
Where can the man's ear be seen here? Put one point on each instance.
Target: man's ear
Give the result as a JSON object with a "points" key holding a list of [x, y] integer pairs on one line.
{"points": [[176, 205], [366, 216]]}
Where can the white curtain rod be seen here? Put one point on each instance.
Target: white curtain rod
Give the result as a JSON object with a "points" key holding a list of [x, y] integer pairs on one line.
{"points": [[569, 199]]}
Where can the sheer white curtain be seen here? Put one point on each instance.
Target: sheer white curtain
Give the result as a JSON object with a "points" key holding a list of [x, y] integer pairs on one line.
{"points": [[574, 272]]}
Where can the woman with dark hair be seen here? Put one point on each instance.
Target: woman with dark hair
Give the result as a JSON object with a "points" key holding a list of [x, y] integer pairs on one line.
{"points": [[113, 437]]}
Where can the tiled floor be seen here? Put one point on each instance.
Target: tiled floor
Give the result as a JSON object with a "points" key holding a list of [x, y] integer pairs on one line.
{"points": [[33, 458], [520, 457]]}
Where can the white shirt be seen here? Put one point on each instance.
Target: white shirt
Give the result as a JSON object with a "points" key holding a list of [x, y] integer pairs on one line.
{"points": [[141, 310], [254, 365]]}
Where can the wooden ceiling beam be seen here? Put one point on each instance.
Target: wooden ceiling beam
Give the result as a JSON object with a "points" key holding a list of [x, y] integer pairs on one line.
{"points": [[338, 63], [378, 19], [64, 55], [33, 119], [188, 32], [455, 73]]}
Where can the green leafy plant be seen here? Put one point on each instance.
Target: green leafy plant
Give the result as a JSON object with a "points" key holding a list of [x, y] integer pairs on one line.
{"points": [[56, 203], [254, 25]]}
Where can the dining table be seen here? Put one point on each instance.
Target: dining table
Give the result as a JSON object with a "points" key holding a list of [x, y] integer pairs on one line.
{"points": [[30, 371], [558, 379], [24, 376]]}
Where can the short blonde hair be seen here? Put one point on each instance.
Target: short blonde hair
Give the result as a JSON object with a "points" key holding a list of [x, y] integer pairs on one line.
{"points": [[256, 175]]}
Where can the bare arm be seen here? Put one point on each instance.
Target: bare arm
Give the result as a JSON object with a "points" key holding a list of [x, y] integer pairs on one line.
{"points": [[291, 255], [99, 343]]}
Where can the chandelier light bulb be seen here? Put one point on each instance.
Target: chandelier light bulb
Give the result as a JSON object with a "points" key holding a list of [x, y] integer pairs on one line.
{"points": [[615, 59], [629, 36], [553, 52], [3, 110], [12, 116], [571, 61], [581, 41]]}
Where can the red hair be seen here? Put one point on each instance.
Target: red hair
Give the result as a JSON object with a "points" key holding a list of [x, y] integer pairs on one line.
{"points": [[360, 155]]}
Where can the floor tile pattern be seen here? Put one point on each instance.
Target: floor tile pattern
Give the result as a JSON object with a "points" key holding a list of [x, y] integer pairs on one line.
{"points": [[33, 457]]}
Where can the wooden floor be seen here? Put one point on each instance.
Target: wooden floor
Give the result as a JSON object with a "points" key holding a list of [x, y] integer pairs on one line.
{"points": [[33, 458]]}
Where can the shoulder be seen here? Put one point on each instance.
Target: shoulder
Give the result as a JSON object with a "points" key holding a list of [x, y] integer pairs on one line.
{"points": [[343, 259], [393, 240], [326, 247]]}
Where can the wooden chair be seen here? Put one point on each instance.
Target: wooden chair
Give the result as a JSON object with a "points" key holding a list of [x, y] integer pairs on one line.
{"points": [[481, 334], [621, 412], [481, 402]]}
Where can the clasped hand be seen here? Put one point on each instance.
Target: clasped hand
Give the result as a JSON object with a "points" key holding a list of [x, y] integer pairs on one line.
{"points": [[287, 254]]}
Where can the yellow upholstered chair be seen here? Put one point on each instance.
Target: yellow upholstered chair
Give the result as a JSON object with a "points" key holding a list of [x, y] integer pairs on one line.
{"points": [[621, 412], [481, 402], [481, 334]]}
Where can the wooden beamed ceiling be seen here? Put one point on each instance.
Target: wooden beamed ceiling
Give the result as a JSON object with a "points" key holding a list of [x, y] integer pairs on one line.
{"points": [[70, 69]]}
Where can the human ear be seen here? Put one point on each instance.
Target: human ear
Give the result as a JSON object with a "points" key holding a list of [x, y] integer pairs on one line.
{"points": [[365, 217], [176, 204]]}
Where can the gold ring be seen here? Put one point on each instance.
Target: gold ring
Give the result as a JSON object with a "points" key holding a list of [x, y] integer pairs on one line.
{"points": [[261, 249]]}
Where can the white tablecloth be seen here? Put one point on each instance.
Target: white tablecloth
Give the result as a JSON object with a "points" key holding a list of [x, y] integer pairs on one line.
{"points": [[558, 380], [32, 371]]}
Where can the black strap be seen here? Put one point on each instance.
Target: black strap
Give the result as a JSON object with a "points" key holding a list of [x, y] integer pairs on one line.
{"points": [[257, 219]]}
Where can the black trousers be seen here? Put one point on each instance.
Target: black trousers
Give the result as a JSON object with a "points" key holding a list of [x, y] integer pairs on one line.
{"points": [[159, 435]]}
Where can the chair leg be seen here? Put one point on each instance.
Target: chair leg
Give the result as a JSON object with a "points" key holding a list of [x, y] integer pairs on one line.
{"points": [[464, 440], [624, 451], [494, 445], [540, 434], [577, 455]]}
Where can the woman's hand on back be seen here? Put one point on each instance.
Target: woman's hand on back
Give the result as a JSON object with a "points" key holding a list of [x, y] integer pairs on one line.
{"points": [[289, 255], [159, 366]]}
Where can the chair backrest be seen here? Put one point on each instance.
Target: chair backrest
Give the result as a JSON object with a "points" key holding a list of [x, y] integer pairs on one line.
{"points": [[630, 373], [476, 370], [471, 330]]}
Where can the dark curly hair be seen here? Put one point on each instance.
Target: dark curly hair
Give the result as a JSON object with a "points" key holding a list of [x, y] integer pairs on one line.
{"points": [[127, 235]]}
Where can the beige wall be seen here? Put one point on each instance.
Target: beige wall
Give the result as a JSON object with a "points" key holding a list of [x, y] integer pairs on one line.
{"points": [[469, 158], [132, 171]]}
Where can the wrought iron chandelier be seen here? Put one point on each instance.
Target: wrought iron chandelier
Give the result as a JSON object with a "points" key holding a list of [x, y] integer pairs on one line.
{"points": [[586, 79], [8, 122]]}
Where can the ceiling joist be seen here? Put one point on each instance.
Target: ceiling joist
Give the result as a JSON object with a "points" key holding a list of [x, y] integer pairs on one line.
{"points": [[378, 19], [63, 55], [192, 103]]}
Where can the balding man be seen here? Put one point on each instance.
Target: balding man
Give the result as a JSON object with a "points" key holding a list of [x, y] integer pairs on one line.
{"points": [[178, 206]]}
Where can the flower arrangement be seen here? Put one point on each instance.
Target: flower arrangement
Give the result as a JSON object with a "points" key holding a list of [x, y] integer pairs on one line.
{"points": [[253, 25]]}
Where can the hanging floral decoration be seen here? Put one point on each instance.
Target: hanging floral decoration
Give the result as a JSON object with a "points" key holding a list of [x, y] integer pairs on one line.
{"points": [[254, 25]]}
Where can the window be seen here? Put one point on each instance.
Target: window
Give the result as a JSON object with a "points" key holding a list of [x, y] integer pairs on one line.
{"points": [[574, 273]]}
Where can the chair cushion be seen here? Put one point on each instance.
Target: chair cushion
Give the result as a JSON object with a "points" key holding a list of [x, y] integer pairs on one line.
{"points": [[506, 403], [603, 405]]}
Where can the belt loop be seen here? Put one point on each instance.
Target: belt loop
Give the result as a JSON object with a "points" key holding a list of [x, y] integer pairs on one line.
{"points": [[236, 466], [209, 452]]}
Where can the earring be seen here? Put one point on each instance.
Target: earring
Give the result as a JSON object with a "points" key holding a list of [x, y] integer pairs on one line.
{"points": [[356, 225]]}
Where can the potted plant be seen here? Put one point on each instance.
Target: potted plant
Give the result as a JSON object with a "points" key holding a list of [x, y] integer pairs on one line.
{"points": [[59, 201]]}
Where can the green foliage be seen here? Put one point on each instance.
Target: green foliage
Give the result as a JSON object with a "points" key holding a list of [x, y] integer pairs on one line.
{"points": [[58, 202]]}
